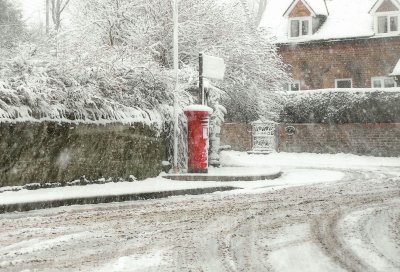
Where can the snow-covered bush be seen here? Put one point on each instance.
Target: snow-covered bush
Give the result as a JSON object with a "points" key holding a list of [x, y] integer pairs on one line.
{"points": [[63, 91], [344, 106], [142, 30]]}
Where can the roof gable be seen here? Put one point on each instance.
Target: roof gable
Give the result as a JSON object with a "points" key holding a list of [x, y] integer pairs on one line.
{"points": [[385, 6], [299, 9]]}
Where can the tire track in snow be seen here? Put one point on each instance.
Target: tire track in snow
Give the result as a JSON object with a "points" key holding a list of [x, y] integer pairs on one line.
{"points": [[373, 235], [329, 232], [218, 232]]}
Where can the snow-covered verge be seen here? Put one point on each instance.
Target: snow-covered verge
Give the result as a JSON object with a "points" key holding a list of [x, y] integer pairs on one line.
{"points": [[99, 190], [160, 184], [299, 169], [332, 161]]}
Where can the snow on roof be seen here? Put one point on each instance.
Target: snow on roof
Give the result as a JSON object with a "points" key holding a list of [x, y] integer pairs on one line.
{"points": [[345, 19], [396, 70], [318, 6], [198, 108]]}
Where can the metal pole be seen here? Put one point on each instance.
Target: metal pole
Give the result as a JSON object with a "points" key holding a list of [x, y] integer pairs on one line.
{"points": [[47, 16], [176, 71], [201, 83]]}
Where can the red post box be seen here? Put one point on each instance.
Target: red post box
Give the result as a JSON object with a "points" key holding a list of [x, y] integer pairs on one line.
{"points": [[198, 127]]}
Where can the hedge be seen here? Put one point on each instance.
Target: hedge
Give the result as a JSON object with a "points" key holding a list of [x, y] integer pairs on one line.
{"points": [[342, 106]]}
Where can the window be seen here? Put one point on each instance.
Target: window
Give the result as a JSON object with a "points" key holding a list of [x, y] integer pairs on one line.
{"points": [[344, 83], [294, 28], [383, 82], [295, 86], [300, 27], [387, 23]]}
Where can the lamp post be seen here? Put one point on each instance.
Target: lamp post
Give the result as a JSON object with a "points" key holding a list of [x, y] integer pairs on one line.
{"points": [[176, 71], [47, 16]]}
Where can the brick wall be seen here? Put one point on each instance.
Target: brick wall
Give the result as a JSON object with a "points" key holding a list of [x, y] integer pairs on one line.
{"points": [[387, 5], [300, 10], [318, 64], [364, 139], [237, 135]]}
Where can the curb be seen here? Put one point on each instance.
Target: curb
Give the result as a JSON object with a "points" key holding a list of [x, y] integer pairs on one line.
{"points": [[28, 206], [206, 177]]}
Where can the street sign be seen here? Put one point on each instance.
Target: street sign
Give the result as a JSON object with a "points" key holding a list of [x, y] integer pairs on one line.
{"points": [[213, 67]]}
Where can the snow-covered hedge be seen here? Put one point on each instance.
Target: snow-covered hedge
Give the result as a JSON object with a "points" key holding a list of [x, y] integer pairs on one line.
{"points": [[342, 106], [92, 94]]}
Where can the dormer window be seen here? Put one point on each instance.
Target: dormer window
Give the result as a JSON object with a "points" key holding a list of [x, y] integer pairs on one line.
{"points": [[387, 23], [305, 17], [386, 17], [300, 27]]}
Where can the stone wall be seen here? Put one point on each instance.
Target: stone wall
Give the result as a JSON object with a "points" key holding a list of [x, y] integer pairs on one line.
{"points": [[60, 152], [318, 64], [237, 135], [363, 139]]}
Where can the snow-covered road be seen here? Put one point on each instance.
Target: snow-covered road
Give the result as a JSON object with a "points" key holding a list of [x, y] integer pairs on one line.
{"points": [[350, 224]]}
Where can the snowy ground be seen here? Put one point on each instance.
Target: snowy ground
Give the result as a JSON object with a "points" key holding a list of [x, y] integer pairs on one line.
{"points": [[326, 213]]}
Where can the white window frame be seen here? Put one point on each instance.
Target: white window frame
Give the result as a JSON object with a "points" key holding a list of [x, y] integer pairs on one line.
{"points": [[387, 15], [343, 79], [300, 19], [382, 80]]}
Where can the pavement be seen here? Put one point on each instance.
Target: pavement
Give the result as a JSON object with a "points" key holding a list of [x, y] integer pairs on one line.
{"points": [[217, 179], [227, 174]]}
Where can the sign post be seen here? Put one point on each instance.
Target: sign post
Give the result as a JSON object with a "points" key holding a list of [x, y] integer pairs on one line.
{"points": [[201, 80], [209, 67]]}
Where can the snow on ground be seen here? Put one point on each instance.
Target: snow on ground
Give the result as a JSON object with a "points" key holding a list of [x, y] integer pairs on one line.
{"points": [[374, 225], [239, 171], [343, 217], [133, 263], [234, 163], [241, 164], [289, 178], [93, 190], [331, 161]]}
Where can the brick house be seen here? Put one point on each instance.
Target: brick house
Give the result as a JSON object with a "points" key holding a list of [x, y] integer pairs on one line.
{"points": [[337, 43]]}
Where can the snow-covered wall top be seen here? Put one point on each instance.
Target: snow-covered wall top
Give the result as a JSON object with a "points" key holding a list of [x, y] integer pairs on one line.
{"points": [[345, 19], [31, 92]]}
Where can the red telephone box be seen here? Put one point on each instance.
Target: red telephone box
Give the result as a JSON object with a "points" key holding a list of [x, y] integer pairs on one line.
{"points": [[198, 129]]}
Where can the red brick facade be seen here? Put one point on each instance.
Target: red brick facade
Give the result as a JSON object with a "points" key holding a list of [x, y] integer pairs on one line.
{"points": [[318, 64], [363, 139], [300, 10], [387, 5]]}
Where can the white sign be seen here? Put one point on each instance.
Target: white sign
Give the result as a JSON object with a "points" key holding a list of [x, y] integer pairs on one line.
{"points": [[213, 67]]}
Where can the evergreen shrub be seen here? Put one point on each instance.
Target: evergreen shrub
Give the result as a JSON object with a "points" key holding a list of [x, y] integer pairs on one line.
{"points": [[341, 107]]}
